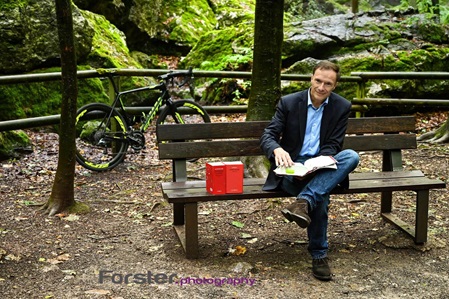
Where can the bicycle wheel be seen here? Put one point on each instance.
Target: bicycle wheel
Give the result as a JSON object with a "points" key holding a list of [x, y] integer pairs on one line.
{"points": [[100, 141], [185, 112]]}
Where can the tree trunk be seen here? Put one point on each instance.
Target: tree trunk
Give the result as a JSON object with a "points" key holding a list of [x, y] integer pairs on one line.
{"points": [[62, 194], [266, 74]]}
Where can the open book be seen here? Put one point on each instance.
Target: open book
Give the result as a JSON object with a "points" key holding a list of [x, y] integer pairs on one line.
{"points": [[309, 166]]}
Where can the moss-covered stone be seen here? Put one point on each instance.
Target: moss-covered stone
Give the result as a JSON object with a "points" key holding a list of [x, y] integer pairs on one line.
{"points": [[78, 208], [232, 12], [29, 38], [179, 21], [12, 143], [44, 98], [227, 49], [149, 61], [227, 92], [109, 49]]}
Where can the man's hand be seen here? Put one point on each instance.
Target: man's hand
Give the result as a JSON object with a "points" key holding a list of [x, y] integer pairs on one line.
{"points": [[282, 158]]}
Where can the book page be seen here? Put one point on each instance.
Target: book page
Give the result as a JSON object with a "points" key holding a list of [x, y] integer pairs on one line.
{"points": [[321, 162], [309, 166]]}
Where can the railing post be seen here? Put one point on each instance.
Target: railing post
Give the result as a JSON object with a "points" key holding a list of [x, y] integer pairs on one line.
{"points": [[355, 6], [111, 92], [360, 94]]}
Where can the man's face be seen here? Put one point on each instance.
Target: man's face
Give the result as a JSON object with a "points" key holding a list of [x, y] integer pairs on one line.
{"points": [[323, 83]]}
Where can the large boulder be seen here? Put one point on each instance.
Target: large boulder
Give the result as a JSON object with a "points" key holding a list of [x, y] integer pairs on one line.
{"points": [[157, 27], [29, 39], [382, 40], [29, 43]]}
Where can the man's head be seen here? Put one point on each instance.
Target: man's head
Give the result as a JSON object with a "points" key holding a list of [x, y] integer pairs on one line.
{"points": [[324, 80]]}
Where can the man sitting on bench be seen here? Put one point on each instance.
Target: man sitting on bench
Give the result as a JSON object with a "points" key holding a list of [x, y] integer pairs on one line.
{"points": [[308, 124]]}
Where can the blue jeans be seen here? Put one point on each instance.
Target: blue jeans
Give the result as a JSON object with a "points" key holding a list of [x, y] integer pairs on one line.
{"points": [[316, 191]]}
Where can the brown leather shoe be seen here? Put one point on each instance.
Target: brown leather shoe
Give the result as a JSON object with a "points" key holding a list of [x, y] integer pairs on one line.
{"points": [[321, 269], [298, 212]]}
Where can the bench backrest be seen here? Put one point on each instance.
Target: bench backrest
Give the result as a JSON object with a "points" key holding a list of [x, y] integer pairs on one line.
{"points": [[231, 139]]}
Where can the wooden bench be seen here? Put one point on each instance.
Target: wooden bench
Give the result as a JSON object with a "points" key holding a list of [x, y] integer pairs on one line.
{"points": [[387, 134]]}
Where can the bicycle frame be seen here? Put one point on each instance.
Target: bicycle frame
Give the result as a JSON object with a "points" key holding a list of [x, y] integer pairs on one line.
{"points": [[148, 118]]}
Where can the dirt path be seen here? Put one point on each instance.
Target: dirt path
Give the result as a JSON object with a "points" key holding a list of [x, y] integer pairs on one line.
{"points": [[127, 239]]}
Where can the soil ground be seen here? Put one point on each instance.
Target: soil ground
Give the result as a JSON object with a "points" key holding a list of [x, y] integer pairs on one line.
{"points": [[127, 237]]}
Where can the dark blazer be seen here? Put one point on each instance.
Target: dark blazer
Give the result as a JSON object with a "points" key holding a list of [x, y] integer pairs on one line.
{"points": [[288, 125]]}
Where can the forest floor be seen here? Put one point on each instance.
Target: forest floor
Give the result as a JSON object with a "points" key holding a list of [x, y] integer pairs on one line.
{"points": [[127, 237]]}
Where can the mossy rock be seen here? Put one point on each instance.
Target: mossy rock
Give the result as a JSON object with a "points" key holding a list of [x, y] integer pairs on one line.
{"points": [[44, 98], [227, 49], [180, 22], [227, 92], [13, 143]]}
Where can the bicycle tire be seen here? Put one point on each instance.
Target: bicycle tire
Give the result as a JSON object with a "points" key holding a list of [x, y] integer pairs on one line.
{"points": [[98, 146], [186, 112]]}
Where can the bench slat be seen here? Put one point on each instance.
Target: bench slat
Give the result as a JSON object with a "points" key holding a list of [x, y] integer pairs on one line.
{"points": [[251, 147], [354, 176], [380, 142], [255, 128], [195, 191], [390, 124]]}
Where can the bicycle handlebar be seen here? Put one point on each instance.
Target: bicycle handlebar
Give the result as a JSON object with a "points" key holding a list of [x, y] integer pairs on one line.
{"points": [[186, 74]]}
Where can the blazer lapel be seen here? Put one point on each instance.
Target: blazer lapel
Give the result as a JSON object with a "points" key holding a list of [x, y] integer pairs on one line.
{"points": [[327, 117]]}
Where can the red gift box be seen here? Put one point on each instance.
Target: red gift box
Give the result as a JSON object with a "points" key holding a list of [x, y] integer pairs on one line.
{"points": [[234, 177], [215, 178]]}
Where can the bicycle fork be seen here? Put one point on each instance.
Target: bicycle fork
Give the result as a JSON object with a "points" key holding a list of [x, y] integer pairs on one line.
{"points": [[174, 113]]}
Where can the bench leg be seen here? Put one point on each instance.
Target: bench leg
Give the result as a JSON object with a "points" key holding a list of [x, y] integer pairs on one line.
{"points": [[191, 230], [188, 232], [422, 216], [419, 232], [178, 214], [386, 202]]}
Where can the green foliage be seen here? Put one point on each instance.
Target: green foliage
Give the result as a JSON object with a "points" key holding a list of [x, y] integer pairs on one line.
{"points": [[431, 11], [241, 94], [425, 6], [227, 91], [444, 14], [6, 5]]}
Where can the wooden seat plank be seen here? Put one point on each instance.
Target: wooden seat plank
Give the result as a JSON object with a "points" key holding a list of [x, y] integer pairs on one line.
{"points": [[198, 193]]}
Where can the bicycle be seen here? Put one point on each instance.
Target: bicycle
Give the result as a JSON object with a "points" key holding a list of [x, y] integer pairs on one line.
{"points": [[105, 132]]}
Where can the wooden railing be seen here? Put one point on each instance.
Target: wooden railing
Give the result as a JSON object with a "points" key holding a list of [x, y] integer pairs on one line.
{"points": [[361, 98], [360, 102], [118, 73]]}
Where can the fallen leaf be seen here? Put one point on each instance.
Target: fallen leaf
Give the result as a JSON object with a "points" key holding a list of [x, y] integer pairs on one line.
{"points": [[246, 236], [239, 250], [71, 217], [98, 292], [61, 215], [59, 259], [237, 224]]}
